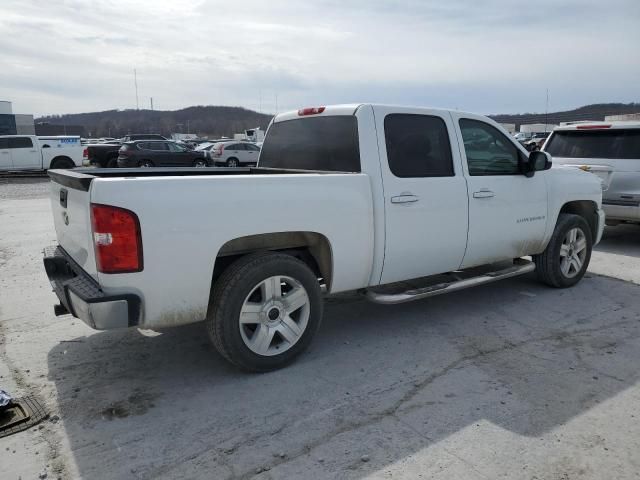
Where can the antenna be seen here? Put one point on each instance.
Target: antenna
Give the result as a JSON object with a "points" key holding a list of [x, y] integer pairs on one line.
{"points": [[135, 82], [276, 103], [152, 104]]}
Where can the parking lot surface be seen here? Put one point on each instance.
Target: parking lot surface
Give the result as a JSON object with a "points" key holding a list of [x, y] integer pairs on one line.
{"points": [[508, 380]]}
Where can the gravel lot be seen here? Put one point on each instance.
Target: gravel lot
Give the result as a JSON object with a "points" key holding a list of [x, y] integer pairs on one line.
{"points": [[509, 380]]}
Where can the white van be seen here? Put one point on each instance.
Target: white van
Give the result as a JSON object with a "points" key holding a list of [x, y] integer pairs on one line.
{"points": [[610, 150], [29, 152]]}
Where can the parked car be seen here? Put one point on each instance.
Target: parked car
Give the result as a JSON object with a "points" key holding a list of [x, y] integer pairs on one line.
{"points": [[349, 197], [235, 154], [522, 136], [30, 152], [610, 150], [156, 153]]}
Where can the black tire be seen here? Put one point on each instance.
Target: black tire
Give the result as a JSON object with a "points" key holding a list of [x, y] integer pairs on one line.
{"points": [[229, 293], [548, 262], [145, 164], [233, 162], [112, 162], [200, 162], [63, 162]]}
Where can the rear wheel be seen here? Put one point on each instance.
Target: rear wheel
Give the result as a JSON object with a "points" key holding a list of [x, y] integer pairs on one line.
{"points": [[112, 162], [567, 256], [232, 162], [264, 311], [145, 163]]}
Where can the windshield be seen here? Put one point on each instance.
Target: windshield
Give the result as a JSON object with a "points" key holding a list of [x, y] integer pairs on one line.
{"points": [[615, 144], [322, 143]]}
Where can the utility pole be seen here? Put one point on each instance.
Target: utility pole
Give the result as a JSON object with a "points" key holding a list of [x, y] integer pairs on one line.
{"points": [[135, 82], [546, 113], [152, 104], [276, 103]]}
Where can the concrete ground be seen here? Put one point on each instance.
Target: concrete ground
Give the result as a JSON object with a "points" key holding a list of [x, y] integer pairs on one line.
{"points": [[510, 380]]}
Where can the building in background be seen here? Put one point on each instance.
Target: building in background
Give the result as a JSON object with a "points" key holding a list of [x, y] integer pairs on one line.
{"points": [[623, 118], [537, 128], [14, 124], [509, 127]]}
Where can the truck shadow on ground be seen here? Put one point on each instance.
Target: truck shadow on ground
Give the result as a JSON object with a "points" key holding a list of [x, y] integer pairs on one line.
{"points": [[380, 382]]}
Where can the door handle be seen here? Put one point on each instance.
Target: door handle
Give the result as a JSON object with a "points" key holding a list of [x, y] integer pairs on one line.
{"points": [[483, 193], [404, 199]]}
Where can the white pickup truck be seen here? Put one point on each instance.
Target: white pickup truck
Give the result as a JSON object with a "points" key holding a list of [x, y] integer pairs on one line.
{"points": [[29, 152], [399, 203]]}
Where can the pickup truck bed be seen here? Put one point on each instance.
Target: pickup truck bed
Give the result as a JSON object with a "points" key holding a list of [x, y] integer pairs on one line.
{"points": [[81, 178]]}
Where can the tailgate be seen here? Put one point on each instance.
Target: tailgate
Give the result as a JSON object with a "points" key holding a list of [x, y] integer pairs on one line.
{"points": [[70, 204]]}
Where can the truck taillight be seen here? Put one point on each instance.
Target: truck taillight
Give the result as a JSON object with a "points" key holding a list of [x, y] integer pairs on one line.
{"points": [[85, 153], [117, 239]]}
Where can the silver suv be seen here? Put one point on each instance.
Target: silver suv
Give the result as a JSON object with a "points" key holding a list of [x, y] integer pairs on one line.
{"points": [[235, 154], [611, 150]]}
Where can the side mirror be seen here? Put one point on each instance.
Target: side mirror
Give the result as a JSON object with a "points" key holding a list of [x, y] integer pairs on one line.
{"points": [[539, 161], [535, 162]]}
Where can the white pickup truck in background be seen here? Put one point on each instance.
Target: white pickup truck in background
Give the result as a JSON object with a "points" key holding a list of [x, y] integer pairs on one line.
{"points": [[30, 152], [400, 203]]}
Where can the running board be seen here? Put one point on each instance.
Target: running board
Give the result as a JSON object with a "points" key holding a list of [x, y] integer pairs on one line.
{"points": [[520, 267]]}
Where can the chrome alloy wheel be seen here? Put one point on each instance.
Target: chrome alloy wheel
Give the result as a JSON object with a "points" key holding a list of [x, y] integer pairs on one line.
{"points": [[274, 315], [573, 252]]}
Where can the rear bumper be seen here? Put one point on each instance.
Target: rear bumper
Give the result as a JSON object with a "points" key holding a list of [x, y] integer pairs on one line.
{"points": [[127, 163], [619, 211], [80, 295]]}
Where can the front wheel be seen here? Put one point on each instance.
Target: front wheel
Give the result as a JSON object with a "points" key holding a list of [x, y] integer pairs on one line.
{"points": [[264, 311], [232, 162], [566, 258]]}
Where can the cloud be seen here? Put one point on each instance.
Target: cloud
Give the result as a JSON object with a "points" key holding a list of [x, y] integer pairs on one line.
{"points": [[490, 56]]}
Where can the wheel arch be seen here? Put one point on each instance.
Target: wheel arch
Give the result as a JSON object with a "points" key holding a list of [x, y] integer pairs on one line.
{"points": [[587, 209], [61, 158], [312, 248]]}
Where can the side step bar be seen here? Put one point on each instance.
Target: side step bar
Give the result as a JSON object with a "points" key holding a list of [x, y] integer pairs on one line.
{"points": [[520, 267]]}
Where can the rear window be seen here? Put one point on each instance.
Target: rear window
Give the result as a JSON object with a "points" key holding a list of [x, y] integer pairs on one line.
{"points": [[616, 144], [321, 143]]}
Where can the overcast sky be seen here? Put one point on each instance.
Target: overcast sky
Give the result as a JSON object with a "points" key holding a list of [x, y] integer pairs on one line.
{"points": [[487, 56]]}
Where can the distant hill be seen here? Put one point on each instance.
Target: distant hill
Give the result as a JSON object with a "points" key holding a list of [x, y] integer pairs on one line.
{"points": [[589, 112], [214, 121]]}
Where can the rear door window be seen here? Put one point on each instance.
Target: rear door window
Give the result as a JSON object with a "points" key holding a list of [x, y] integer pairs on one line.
{"points": [[614, 144], [418, 146], [319, 143], [20, 142], [4, 143], [157, 146]]}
